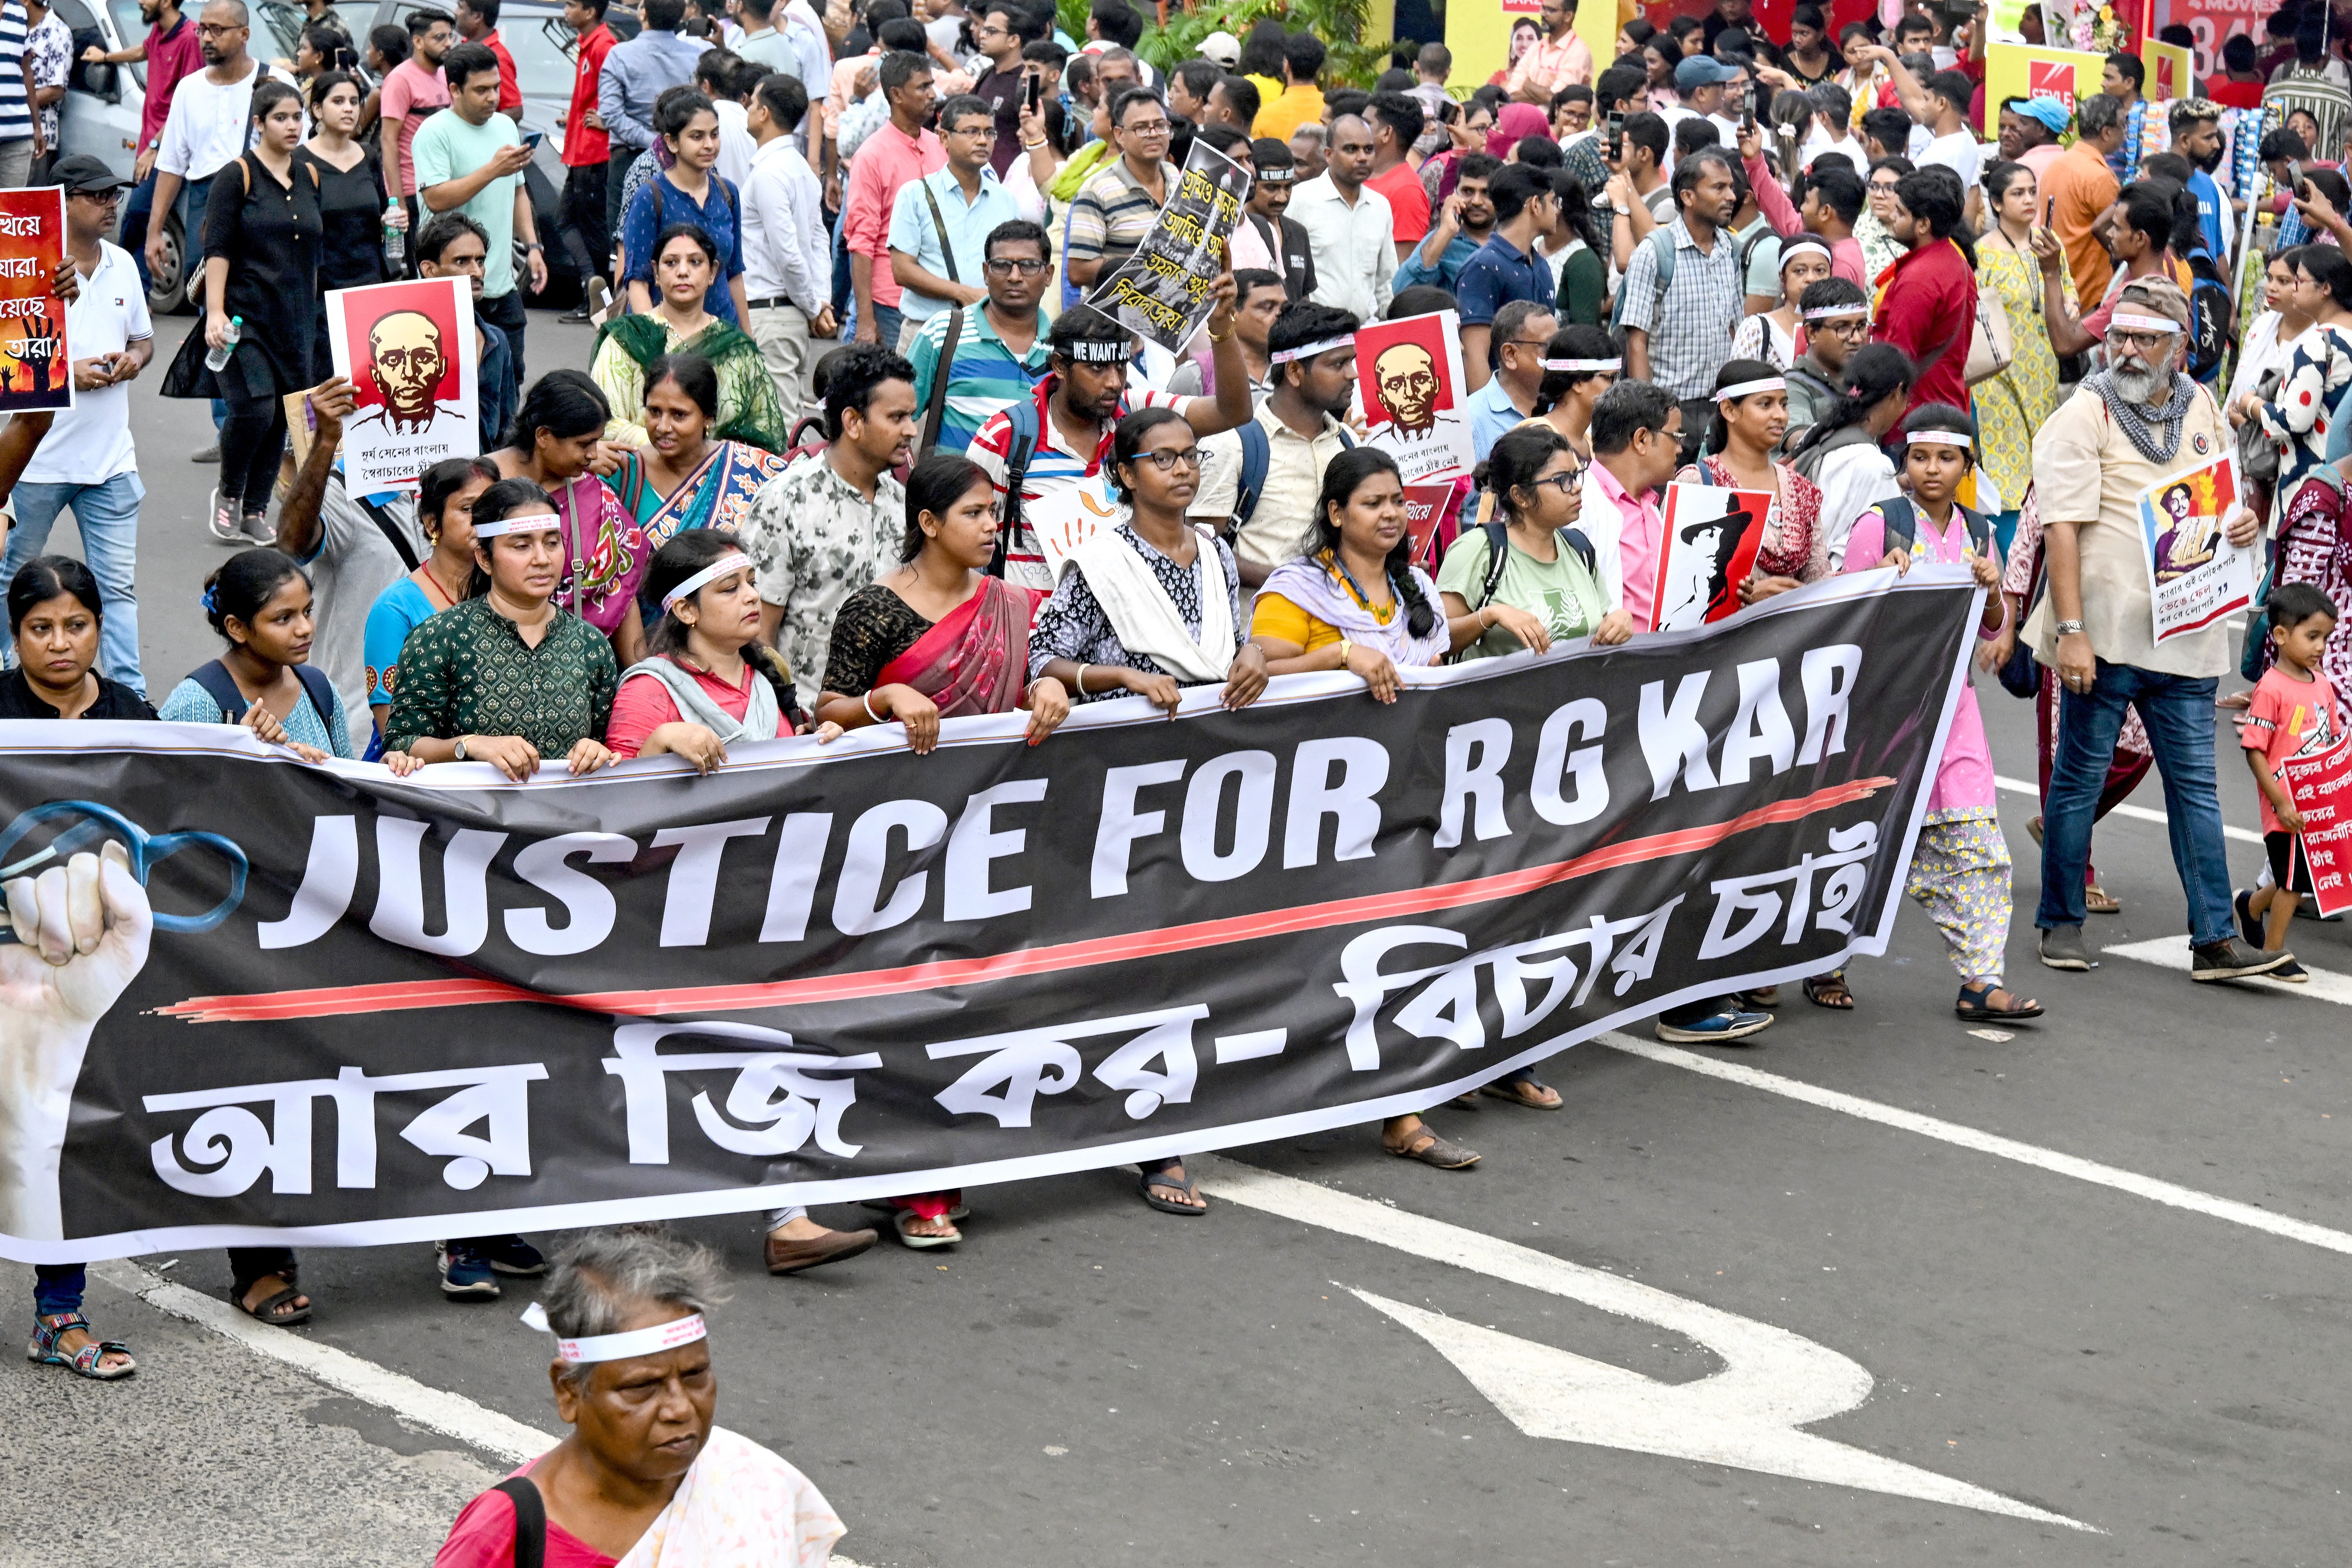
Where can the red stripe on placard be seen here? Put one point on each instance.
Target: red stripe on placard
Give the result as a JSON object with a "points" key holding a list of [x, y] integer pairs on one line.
{"points": [[331, 1000]]}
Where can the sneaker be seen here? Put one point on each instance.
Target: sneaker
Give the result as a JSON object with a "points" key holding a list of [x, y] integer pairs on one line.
{"points": [[2291, 971], [256, 527], [1715, 1030], [2250, 925], [206, 455], [2234, 960], [509, 1255], [2062, 948], [466, 1275], [578, 315], [227, 523]]}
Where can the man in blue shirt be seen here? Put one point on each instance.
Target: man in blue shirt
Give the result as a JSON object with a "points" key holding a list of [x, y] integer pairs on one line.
{"points": [[1462, 226], [2197, 136], [940, 223], [636, 73], [1507, 267], [1522, 328]]}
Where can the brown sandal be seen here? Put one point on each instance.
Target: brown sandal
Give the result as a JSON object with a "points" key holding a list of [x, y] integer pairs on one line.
{"points": [[1829, 991], [1526, 1092], [2099, 902]]}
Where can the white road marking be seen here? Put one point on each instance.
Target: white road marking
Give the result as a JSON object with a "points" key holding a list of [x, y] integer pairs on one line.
{"points": [[2172, 953], [2090, 1171], [2136, 813], [1745, 1417]]}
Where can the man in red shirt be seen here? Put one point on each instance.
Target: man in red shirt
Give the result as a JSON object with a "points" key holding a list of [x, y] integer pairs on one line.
{"points": [[1927, 299], [1397, 119], [478, 23], [172, 51], [586, 149]]}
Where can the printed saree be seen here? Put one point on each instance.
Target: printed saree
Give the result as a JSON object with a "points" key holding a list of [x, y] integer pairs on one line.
{"points": [[976, 659]]}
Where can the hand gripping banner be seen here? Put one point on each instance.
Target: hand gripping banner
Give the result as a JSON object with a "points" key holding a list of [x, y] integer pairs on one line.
{"points": [[329, 1006]]}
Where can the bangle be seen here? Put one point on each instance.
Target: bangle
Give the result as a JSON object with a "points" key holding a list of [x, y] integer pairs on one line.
{"points": [[868, 701], [1033, 146], [2068, 628], [1216, 337], [1347, 651], [1484, 624], [534, 244], [1081, 682]]}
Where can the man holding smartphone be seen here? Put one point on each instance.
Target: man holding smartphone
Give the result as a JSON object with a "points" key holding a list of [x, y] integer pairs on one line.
{"points": [[1009, 85]]}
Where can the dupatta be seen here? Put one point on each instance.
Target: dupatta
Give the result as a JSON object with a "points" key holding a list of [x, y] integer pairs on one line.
{"points": [[976, 659], [749, 410], [1313, 584]]}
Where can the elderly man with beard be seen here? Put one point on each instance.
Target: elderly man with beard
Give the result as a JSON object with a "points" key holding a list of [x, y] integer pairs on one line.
{"points": [[2132, 425]]}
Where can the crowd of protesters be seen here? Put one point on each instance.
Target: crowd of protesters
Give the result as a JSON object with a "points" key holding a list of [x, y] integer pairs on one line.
{"points": [[836, 260]]}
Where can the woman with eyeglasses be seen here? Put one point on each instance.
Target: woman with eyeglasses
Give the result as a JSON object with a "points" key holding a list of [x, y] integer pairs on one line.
{"points": [[1880, 249], [1545, 566], [2012, 405]]}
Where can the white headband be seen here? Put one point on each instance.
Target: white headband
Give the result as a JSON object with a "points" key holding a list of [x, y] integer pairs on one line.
{"points": [[1312, 349], [1826, 312], [620, 1347], [1937, 439], [1583, 366], [732, 561], [534, 523], [1794, 246], [1749, 388], [2140, 323]]}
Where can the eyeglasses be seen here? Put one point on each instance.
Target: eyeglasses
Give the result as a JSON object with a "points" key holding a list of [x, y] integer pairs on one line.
{"points": [[1168, 461], [1147, 128], [1006, 266], [2136, 342], [1845, 327], [1564, 482], [215, 30], [1882, 187]]}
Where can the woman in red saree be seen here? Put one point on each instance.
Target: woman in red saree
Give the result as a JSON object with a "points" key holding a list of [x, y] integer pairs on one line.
{"points": [[938, 638]]}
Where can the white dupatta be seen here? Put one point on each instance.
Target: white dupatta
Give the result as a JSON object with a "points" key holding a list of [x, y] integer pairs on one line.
{"points": [[739, 1507]]}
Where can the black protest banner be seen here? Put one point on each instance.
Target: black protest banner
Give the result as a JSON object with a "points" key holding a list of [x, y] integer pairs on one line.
{"points": [[375, 1010], [1164, 289]]}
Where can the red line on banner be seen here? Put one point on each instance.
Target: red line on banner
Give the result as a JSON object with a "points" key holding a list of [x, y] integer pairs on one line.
{"points": [[331, 1000]]}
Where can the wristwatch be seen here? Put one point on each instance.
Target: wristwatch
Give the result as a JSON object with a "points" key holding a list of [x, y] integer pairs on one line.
{"points": [[461, 748], [2068, 628]]}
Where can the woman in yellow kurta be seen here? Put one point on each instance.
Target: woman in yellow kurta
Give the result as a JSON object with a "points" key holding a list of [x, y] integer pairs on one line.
{"points": [[2011, 407]]}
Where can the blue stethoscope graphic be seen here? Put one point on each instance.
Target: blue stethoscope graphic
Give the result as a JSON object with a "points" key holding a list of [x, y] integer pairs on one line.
{"points": [[146, 852]]}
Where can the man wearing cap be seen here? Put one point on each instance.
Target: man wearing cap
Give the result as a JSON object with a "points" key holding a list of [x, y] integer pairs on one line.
{"points": [[1223, 48], [2127, 426], [1558, 59], [87, 461], [1701, 80], [2030, 129], [1266, 239]]}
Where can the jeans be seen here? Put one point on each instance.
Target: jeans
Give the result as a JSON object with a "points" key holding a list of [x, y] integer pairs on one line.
{"points": [[507, 313], [136, 210], [616, 179], [57, 1287], [886, 325], [253, 440], [108, 516], [2177, 712]]}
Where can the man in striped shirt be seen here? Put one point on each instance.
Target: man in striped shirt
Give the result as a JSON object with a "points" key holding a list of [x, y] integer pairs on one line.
{"points": [[15, 103], [1077, 408], [1000, 348]]}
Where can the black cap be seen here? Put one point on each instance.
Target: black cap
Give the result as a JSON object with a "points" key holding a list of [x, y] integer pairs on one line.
{"points": [[82, 175]]}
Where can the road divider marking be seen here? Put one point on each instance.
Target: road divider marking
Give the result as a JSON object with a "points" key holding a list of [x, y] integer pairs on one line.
{"points": [[2136, 813], [2172, 953], [2122, 1181]]}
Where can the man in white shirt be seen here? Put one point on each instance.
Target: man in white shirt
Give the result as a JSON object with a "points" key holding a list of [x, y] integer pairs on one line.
{"points": [[799, 23], [1956, 146], [87, 461], [1349, 227], [716, 75], [787, 254]]}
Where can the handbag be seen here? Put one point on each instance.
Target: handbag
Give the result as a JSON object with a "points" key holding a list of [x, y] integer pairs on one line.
{"points": [[1991, 344], [2258, 455]]}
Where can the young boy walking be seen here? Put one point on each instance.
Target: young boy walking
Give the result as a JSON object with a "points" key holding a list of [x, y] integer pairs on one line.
{"points": [[2294, 714]]}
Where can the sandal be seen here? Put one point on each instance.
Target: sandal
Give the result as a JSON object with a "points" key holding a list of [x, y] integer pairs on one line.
{"points": [[1829, 991], [1437, 1152], [1524, 1091], [2099, 902], [905, 1217], [1976, 1006], [43, 1348], [266, 1311], [1174, 1183]]}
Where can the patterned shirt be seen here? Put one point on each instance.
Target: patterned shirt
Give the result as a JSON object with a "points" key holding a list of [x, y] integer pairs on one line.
{"points": [[1071, 624], [467, 671], [1052, 466], [1113, 213], [1690, 329], [49, 49], [814, 542]]}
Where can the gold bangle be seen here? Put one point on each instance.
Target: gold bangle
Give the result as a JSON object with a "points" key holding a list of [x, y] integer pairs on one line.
{"points": [[1347, 650], [1033, 146], [1216, 337]]}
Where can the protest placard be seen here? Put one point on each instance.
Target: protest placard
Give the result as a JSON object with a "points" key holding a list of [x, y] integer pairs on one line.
{"points": [[2194, 575], [35, 369], [2321, 788], [1165, 290], [408, 349], [1068, 516], [1409, 374], [1706, 550], [1426, 507]]}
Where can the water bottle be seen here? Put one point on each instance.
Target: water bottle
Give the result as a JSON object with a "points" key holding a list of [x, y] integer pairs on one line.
{"points": [[216, 360], [395, 240]]}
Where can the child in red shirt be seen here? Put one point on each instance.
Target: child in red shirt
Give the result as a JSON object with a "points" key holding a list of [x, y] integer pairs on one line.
{"points": [[2294, 714]]}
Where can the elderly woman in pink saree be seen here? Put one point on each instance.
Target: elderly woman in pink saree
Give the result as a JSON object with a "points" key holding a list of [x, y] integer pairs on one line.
{"points": [[645, 1479], [936, 638]]}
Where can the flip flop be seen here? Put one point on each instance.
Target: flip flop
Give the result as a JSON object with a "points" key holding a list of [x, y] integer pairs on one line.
{"points": [[265, 1310], [1437, 1152], [1183, 1183], [2099, 902], [1513, 1090], [905, 1217]]}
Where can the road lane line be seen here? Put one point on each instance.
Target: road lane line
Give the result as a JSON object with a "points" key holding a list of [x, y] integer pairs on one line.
{"points": [[2166, 1192], [2136, 813], [2172, 953]]}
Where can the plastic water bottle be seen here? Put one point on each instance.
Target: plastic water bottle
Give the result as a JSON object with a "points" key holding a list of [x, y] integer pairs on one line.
{"points": [[216, 360], [395, 240]]}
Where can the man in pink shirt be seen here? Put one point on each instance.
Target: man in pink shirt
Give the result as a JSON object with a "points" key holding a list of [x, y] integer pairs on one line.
{"points": [[1636, 433], [1556, 60], [412, 92], [898, 154], [172, 51]]}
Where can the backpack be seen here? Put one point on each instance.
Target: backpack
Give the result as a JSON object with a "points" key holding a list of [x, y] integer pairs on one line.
{"points": [[1022, 415], [1661, 241], [1747, 248], [1498, 555], [1902, 525], [2212, 316], [1257, 452], [221, 687]]}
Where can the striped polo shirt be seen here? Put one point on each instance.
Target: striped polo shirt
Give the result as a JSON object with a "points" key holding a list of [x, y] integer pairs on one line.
{"points": [[1114, 212], [1052, 466], [984, 375], [16, 109]]}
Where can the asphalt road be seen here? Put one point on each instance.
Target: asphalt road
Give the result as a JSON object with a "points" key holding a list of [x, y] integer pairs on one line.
{"points": [[1085, 1383]]}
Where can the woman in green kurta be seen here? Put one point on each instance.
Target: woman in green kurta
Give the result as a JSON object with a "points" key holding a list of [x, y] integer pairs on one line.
{"points": [[749, 411]]}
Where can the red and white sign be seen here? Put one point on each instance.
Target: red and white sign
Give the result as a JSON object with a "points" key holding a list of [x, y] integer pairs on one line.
{"points": [[1707, 550], [1426, 509], [2321, 788], [2051, 79]]}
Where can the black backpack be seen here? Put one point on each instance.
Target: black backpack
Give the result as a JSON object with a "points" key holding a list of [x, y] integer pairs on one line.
{"points": [[221, 687], [1498, 555]]}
